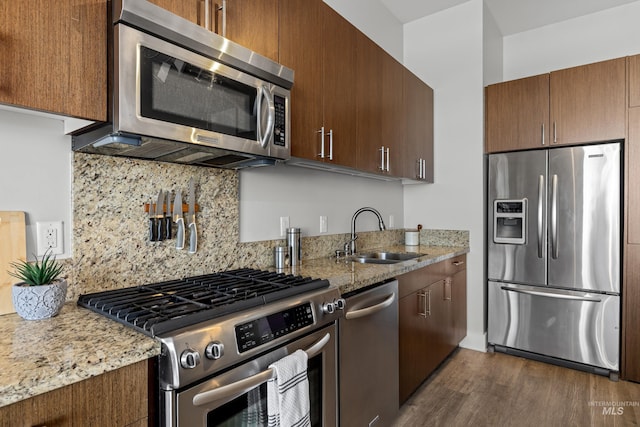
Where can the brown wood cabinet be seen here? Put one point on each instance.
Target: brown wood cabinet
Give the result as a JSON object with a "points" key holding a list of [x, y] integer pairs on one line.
{"points": [[380, 122], [418, 112], [320, 46], [54, 56], [250, 23], [631, 316], [633, 70], [517, 114], [432, 319], [116, 398], [588, 103], [572, 106]]}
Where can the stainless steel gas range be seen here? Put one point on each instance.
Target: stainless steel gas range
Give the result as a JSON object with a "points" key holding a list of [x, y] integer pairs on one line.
{"points": [[219, 334]]}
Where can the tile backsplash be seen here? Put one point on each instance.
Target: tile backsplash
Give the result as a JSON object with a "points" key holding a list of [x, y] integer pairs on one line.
{"points": [[110, 235]]}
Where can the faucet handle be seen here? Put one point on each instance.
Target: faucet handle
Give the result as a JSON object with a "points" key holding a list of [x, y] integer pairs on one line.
{"points": [[347, 246]]}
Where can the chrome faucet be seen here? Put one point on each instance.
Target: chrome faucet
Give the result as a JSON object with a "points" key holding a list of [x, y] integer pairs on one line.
{"points": [[350, 246]]}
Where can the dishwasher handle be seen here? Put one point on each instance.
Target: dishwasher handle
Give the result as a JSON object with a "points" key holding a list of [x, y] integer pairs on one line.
{"points": [[368, 311], [238, 388]]}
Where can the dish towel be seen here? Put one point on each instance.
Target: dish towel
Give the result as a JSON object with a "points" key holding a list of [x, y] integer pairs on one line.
{"points": [[288, 392]]}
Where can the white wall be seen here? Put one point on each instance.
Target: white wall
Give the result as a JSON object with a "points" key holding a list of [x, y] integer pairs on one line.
{"points": [[493, 49], [450, 60], [374, 20], [612, 33], [35, 172], [303, 195]]}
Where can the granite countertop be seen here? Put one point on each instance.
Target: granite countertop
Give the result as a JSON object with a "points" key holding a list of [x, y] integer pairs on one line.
{"points": [[37, 356], [40, 356], [350, 276]]}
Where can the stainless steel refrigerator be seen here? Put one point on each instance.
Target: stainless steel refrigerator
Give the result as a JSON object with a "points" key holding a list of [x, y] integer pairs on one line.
{"points": [[553, 255]]}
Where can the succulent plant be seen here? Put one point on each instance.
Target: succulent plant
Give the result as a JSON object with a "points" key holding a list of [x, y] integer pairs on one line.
{"points": [[37, 273]]}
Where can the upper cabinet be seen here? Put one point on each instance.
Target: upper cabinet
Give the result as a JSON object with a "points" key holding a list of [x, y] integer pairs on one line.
{"points": [[250, 23], [319, 45], [379, 121], [418, 112], [54, 56], [572, 106], [517, 114], [588, 103]]}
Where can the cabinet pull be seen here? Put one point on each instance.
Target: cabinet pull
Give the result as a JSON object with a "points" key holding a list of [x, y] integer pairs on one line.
{"points": [[382, 158], [424, 169], [543, 134], [330, 144], [388, 159], [458, 263], [419, 161], [207, 14], [422, 304], [555, 135], [321, 132], [219, 8], [447, 289]]}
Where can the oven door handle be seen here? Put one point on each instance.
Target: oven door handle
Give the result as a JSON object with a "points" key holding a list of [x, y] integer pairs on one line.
{"points": [[239, 388]]}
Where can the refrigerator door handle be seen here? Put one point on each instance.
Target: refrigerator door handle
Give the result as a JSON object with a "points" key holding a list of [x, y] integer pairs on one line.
{"points": [[550, 295], [540, 213], [554, 217]]}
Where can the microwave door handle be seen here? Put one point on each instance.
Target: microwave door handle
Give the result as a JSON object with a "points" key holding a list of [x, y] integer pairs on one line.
{"points": [[265, 137], [238, 388]]}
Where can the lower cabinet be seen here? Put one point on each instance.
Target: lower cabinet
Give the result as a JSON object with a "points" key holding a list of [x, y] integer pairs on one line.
{"points": [[116, 398], [432, 320]]}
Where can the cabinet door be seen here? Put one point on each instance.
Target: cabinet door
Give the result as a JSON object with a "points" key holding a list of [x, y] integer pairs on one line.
{"points": [[633, 177], [301, 50], [412, 343], [517, 114], [54, 56], [459, 306], [254, 25], [418, 113], [588, 103], [631, 317], [192, 10], [633, 66], [338, 87]]}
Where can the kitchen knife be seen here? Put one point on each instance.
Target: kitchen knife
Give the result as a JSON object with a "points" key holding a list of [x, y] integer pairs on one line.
{"points": [[191, 219], [179, 220], [152, 222], [167, 216], [159, 223]]}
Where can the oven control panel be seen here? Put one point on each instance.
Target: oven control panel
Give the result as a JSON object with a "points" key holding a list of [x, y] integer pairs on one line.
{"points": [[268, 328]]}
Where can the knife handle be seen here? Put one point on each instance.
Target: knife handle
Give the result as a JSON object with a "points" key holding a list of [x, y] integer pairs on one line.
{"points": [[153, 229], [167, 227], [193, 238], [160, 228], [180, 234]]}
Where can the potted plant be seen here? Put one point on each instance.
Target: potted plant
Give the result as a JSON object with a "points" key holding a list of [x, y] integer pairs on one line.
{"points": [[40, 293]]}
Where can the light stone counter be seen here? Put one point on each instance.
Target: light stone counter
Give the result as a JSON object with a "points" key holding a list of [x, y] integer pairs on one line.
{"points": [[39, 356]]}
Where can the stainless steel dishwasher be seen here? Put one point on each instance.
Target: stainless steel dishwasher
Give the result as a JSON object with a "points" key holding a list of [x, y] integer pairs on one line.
{"points": [[368, 355]]}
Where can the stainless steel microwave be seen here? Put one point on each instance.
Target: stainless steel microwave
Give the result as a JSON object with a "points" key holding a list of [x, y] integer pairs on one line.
{"points": [[183, 94]]}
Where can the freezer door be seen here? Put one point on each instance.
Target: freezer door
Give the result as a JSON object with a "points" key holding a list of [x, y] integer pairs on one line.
{"points": [[577, 326], [584, 217], [518, 176]]}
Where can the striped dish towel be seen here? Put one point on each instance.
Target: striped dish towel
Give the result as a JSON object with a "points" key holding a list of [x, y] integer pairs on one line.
{"points": [[288, 392]]}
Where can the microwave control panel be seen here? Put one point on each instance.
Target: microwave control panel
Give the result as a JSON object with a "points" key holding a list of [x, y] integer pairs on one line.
{"points": [[279, 127]]}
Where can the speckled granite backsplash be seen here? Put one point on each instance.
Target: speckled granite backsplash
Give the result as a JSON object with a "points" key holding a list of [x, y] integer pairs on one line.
{"points": [[110, 245]]}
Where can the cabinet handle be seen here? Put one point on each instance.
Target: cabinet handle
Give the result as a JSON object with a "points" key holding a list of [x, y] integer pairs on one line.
{"points": [[458, 263], [424, 169], [419, 161], [207, 14], [422, 304], [382, 158], [543, 134], [330, 144], [447, 289], [388, 159], [555, 135], [222, 8], [321, 132]]}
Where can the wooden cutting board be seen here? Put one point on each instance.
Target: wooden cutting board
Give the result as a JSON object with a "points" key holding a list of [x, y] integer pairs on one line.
{"points": [[13, 247]]}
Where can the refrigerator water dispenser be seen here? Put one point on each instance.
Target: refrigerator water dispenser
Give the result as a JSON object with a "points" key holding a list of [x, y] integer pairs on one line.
{"points": [[510, 221]]}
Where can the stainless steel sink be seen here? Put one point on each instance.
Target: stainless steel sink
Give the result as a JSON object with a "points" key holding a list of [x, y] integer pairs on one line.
{"points": [[384, 257]]}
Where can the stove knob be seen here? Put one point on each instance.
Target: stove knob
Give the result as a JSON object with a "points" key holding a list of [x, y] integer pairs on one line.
{"points": [[189, 359], [214, 350], [328, 307], [340, 303]]}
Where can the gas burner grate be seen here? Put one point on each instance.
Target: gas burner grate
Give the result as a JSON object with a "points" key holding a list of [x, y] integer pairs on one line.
{"points": [[158, 308]]}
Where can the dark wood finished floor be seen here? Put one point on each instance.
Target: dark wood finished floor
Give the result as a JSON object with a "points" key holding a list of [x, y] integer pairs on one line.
{"points": [[494, 389]]}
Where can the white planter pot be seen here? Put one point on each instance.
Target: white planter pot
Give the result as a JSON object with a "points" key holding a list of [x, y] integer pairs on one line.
{"points": [[39, 302]]}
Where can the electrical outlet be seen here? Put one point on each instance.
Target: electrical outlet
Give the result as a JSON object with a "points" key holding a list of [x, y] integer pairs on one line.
{"points": [[49, 237], [284, 224], [392, 222], [323, 223]]}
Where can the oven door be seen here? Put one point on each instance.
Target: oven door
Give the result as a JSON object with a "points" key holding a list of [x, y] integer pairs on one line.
{"points": [[238, 397], [168, 92]]}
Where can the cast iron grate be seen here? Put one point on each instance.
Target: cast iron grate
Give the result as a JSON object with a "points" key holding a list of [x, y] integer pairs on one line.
{"points": [[158, 308]]}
